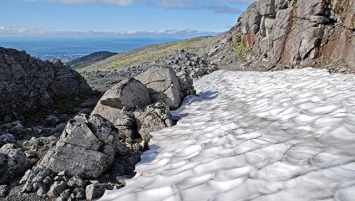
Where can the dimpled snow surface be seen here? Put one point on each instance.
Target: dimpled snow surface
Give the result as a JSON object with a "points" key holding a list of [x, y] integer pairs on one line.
{"points": [[286, 135]]}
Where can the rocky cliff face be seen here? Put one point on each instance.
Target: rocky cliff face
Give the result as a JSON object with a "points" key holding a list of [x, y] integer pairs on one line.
{"points": [[298, 32], [28, 84]]}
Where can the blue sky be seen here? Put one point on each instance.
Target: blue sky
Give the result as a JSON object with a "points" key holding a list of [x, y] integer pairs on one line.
{"points": [[119, 18]]}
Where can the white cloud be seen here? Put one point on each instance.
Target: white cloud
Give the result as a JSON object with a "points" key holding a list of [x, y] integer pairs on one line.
{"points": [[175, 4], [122, 3], [23, 31]]}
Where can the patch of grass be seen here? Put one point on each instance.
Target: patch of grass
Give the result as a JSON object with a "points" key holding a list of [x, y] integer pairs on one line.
{"points": [[242, 50]]}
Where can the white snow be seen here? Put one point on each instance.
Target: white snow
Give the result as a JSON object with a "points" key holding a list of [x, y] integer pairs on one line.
{"points": [[287, 135]]}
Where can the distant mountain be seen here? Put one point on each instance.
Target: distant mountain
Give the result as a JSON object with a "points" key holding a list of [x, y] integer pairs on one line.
{"points": [[90, 59]]}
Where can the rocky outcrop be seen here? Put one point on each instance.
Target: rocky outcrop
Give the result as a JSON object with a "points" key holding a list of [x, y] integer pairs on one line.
{"points": [[126, 95], [86, 148], [28, 84], [298, 32], [159, 85], [162, 84]]}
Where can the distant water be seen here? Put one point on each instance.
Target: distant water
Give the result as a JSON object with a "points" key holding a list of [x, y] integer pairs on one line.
{"points": [[67, 49]]}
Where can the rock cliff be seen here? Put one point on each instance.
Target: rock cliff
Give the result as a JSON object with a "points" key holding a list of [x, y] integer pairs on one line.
{"points": [[298, 32]]}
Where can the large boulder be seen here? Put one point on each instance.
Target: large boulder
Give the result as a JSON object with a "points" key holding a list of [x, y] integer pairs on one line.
{"points": [[153, 118], [163, 85], [13, 162], [28, 84], [126, 95], [86, 148]]}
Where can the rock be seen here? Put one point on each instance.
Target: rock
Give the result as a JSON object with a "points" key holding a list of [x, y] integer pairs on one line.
{"points": [[154, 117], [58, 129], [64, 195], [186, 83], [13, 162], [18, 129], [76, 182], [28, 85], [163, 85], [57, 188], [200, 72], [7, 138], [26, 177], [122, 120], [86, 148], [42, 190], [78, 194], [94, 191], [3, 190], [51, 120], [126, 95]]}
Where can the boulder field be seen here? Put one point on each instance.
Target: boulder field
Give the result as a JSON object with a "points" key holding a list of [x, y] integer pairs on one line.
{"points": [[96, 151]]}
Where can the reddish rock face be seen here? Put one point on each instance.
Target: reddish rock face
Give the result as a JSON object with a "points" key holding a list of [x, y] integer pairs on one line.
{"points": [[300, 31]]}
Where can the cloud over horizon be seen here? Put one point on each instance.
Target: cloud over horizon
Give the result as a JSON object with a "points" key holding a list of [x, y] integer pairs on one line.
{"points": [[218, 6], [23, 31]]}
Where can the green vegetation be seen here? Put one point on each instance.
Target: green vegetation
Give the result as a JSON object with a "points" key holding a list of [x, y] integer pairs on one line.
{"points": [[148, 54], [242, 50]]}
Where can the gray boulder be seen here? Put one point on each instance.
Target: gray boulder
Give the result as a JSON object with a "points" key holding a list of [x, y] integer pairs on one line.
{"points": [[86, 148], [13, 162], [186, 83], [126, 95], [7, 138], [122, 120], [154, 117], [28, 84], [163, 85]]}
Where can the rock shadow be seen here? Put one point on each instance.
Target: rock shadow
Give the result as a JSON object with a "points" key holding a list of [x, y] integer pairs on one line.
{"points": [[202, 96]]}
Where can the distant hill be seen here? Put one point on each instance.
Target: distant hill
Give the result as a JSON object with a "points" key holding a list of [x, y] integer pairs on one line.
{"points": [[152, 53], [90, 59]]}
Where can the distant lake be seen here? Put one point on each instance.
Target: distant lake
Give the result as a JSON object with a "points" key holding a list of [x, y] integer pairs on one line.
{"points": [[67, 49]]}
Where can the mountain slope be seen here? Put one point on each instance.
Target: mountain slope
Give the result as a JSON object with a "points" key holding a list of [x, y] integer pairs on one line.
{"points": [[90, 59], [149, 54]]}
